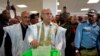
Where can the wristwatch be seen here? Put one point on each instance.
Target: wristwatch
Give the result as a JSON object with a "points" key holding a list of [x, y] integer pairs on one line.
{"points": [[76, 51]]}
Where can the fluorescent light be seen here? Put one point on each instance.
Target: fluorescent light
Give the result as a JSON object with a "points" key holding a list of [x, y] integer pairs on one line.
{"points": [[58, 10], [93, 1], [33, 12], [84, 9], [21, 6], [58, 3]]}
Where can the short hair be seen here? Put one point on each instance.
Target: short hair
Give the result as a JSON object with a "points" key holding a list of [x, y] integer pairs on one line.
{"points": [[64, 7], [24, 12], [4, 11], [32, 16], [37, 14]]}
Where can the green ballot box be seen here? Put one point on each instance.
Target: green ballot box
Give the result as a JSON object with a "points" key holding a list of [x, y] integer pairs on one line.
{"points": [[27, 53], [42, 52], [54, 52]]}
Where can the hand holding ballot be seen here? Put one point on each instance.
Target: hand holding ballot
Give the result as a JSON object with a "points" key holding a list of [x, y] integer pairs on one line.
{"points": [[35, 43]]}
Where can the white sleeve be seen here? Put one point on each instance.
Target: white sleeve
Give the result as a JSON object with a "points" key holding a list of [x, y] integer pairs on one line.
{"points": [[60, 39], [30, 34]]}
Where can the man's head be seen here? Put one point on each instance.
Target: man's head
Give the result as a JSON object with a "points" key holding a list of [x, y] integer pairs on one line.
{"points": [[46, 15], [74, 19], [92, 15], [91, 12], [64, 9], [6, 15], [13, 21], [25, 17], [57, 17], [34, 18]]}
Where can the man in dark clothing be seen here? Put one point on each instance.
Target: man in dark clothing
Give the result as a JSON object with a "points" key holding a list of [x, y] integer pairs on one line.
{"points": [[4, 21], [64, 15]]}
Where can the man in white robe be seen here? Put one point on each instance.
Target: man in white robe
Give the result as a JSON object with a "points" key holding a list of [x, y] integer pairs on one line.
{"points": [[53, 34], [18, 35]]}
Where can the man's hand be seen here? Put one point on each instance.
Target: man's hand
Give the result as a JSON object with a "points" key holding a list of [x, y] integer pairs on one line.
{"points": [[72, 44], [35, 43], [77, 54], [99, 53]]}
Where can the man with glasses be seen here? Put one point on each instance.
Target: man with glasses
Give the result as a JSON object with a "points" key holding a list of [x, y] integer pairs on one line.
{"points": [[16, 34], [47, 33]]}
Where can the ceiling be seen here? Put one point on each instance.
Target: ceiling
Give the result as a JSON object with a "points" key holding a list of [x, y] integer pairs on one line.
{"points": [[76, 5], [73, 6], [33, 5]]}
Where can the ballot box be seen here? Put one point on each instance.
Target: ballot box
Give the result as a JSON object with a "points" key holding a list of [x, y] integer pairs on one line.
{"points": [[42, 51]]}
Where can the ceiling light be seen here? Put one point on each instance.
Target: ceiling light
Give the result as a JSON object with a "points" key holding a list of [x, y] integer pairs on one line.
{"points": [[58, 10], [93, 1], [21, 6], [58, 3], [84, 9], [33, 12]]}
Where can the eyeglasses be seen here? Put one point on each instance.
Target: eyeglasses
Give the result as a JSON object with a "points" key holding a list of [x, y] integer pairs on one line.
{"points": [[26, 17], [48, 13]]}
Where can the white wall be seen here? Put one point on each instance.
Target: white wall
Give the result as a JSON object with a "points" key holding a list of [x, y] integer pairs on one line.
{"points": [[78, 13], [51, 4]]}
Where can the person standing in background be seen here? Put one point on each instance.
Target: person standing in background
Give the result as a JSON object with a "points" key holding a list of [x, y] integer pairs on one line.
{"points": [[64, 15], [86, 36], [34, 18], [4, 21]]}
